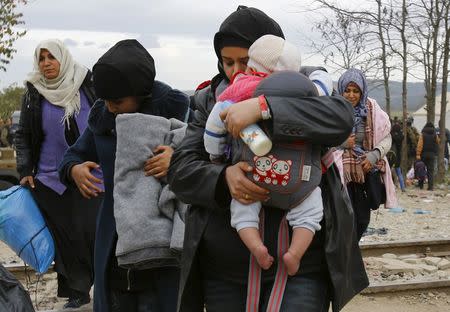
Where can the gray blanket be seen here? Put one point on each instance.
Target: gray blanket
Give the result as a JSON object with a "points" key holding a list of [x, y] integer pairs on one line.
{"points": [[149, 218]]}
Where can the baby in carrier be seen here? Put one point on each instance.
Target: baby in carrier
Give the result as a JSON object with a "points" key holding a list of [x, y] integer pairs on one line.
{"points": [[291, 171]]}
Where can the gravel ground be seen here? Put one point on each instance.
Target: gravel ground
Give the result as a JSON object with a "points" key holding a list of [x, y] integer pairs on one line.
{"points": [[432, 224], [407, 225]]}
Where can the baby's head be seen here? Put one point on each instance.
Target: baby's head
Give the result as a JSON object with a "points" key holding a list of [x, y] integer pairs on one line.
{"points": [[270, 54]]}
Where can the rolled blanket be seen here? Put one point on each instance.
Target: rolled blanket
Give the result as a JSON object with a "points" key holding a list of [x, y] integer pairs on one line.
{"points": [[149, 218]]}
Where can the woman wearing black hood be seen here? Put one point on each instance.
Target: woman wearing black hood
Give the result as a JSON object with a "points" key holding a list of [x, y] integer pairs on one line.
{"points": [[124, 81], [215, 263]]}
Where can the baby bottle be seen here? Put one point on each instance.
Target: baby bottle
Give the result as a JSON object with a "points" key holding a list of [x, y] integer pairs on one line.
{"points": [[258, 142]]}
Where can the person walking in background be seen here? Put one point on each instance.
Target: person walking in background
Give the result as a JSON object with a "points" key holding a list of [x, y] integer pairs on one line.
{"points": [[124, 79], [397, 139], [427, 150], [412, 136], [365, 150], [55, 108]]}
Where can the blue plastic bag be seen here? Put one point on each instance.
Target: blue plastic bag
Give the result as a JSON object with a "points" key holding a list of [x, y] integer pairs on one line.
{"points": [[23, 228]]}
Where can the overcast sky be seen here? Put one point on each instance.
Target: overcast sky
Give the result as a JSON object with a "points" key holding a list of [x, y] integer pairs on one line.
{"points": [[177, 33]]}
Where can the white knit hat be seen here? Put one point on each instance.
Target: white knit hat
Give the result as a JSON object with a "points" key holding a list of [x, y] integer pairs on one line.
{"points": [[271, 53]]}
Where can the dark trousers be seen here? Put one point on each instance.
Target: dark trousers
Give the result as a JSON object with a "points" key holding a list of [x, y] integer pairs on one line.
{"points": [[71, 220], [160, 296], [429, 160], [361, 207], [308, 292]]}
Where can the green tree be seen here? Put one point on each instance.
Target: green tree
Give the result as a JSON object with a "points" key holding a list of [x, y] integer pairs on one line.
{"points": [[10, 100], [9, 19]]}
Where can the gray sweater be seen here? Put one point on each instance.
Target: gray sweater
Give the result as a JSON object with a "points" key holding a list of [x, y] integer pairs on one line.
{"points": [[149, 218]]}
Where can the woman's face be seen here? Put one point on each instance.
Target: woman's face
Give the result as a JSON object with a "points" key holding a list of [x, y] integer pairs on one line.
{"points": [[352, 93], [128, 104], [234, 59], [48, 64]]}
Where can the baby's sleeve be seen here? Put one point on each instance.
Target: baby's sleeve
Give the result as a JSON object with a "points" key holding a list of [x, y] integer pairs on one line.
{"points": [[323, 82], [215, 131]]}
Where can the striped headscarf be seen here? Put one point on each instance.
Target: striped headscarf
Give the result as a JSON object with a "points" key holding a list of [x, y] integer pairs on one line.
{"points": [[356, 76]]}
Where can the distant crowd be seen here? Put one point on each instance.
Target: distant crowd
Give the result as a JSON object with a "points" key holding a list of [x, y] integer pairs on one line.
{"points": [[422, 153]]}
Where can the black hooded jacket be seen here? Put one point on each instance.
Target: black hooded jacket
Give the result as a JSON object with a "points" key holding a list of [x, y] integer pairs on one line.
{"points": [[133, 75], [430, 145], [326, 121], [98, 144]]}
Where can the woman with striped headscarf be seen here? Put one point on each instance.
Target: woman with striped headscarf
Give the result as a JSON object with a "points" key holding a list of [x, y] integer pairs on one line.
{"points": [[365, 150]]}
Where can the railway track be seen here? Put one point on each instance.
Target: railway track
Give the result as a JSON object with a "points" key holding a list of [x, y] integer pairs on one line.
{"points": [[395, 287], [435, 248], [430, 248]]}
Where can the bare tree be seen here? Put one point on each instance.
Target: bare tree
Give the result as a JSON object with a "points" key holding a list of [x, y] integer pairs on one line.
{"points": [[367, 31], [344, 43], [382, 12], [445, 73], [400, 12], [425, 23]]}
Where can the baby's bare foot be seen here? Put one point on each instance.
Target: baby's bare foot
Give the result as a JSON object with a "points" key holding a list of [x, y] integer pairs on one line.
{"points": [[292, 263], [262, 256]]}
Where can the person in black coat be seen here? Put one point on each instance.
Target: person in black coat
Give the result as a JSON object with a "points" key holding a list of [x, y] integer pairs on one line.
{"points": [[124, 81], [427, 151], [215, 263], [55, 107]]}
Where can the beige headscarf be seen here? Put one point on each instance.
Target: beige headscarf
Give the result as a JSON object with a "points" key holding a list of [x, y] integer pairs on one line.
{"points": [[62, 91]]}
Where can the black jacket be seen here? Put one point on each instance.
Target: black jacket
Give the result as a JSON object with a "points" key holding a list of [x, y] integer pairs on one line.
{"points": [[430, 145], [29, 135], [326, 121], [98, 144]]}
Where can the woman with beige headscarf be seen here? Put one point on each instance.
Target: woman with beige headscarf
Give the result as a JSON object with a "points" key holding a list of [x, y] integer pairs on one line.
{"points": [[54, 112]]}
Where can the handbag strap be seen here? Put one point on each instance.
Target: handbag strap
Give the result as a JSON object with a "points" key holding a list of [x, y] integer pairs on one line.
{"points": [[276, 296], [254, 276]]}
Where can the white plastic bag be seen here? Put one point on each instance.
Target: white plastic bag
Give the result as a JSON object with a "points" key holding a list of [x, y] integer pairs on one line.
{"points": [[410, 174]]}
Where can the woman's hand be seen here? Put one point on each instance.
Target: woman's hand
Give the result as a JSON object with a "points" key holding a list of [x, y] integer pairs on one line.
{"points": [[27, 180], [366, 165], [240, 115], [241, 188], [84, 179], [158, 165]]}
